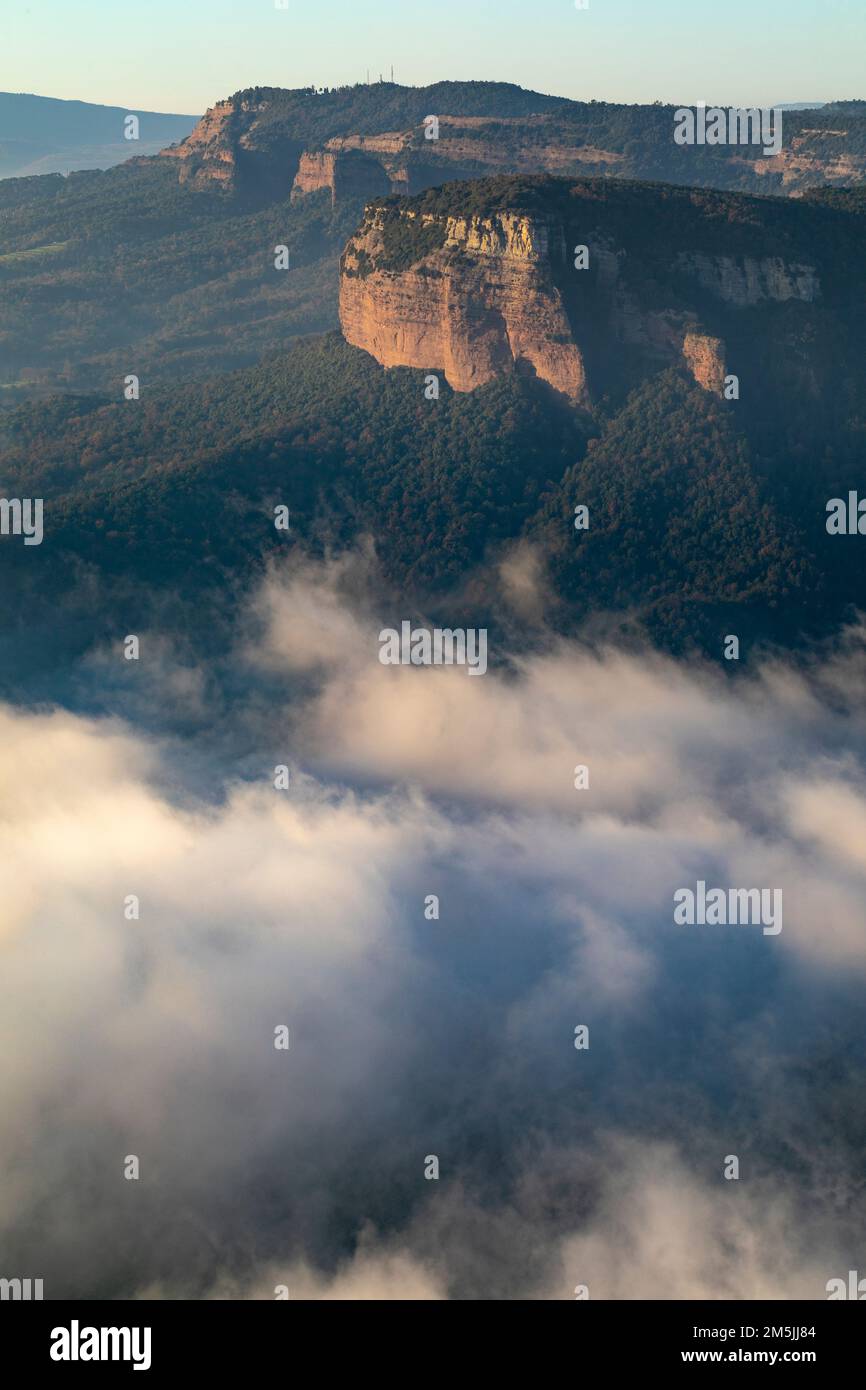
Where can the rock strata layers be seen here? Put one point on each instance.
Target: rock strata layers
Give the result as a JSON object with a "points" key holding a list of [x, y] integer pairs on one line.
{"points": [[474, 295], [483, 301]]}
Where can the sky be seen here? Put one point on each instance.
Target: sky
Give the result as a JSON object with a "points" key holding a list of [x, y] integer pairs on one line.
{"points": [[182, 57]]}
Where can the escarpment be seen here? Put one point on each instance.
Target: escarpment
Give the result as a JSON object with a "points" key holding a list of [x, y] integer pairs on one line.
{"points": [[238, 148], [345, 174], [383, 138], [208, 154], [816, 157], [484, 299], [582, 285]]}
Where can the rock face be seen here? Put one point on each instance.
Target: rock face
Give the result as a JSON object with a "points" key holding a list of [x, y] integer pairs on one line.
{"points": [[406, 162], [705, 358], [235, 149], [207, 156], [345, 173], [483, 301], [749, 280], [474, 295], [811, 161], [301, 141], [236, 137], [315, 171]]}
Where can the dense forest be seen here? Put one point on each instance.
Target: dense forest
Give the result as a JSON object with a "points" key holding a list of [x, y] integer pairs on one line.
{"points": [[105, 274], [697, 528], [707, 515], [642, 132]]}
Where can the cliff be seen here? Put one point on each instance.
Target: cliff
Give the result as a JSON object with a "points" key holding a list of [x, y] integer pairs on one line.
{"points": [[372, 139], [483, 300], [345, 173], [209, 154], [238, 148], [502, 284]]}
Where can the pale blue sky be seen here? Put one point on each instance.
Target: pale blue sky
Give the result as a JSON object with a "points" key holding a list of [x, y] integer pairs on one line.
{"points": [[183, 55]]}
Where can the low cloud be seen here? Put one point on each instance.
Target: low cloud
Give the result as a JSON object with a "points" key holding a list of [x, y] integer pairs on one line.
{"points": [[419, 1031]]}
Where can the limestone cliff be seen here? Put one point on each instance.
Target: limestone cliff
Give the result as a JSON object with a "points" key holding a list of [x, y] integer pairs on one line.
{"points": [[281, 139], [748, 280], [207, 155], [349, 173], [407, 162], [484, 300], [236, 147], [471, 295]]}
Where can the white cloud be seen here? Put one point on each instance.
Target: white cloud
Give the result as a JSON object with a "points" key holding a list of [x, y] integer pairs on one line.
{"points": [[260, 907]]}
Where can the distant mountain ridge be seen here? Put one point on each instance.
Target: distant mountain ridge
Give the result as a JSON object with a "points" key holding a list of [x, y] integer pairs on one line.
{"points": [[47, 135], [374, 139], [167, 265]]}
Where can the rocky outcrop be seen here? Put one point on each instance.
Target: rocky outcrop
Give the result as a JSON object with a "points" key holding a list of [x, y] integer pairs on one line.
{"points": [[811, 161], [474, 295], [315, 171], [208, 155], [406, 162], [267, 133], [346, 174], [235, 149], [705, 358], [483, 301], [749, 280]]}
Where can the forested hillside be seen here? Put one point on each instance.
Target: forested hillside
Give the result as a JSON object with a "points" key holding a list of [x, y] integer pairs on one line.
{"points": [[165, 267], [166, 505]]}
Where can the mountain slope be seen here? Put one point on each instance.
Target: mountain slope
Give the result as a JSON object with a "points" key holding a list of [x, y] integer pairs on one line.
{"points": [[44, 135], [105, 274], [370, 135], [473, 278], [706, 512], [165, 267], [160, 513]]}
